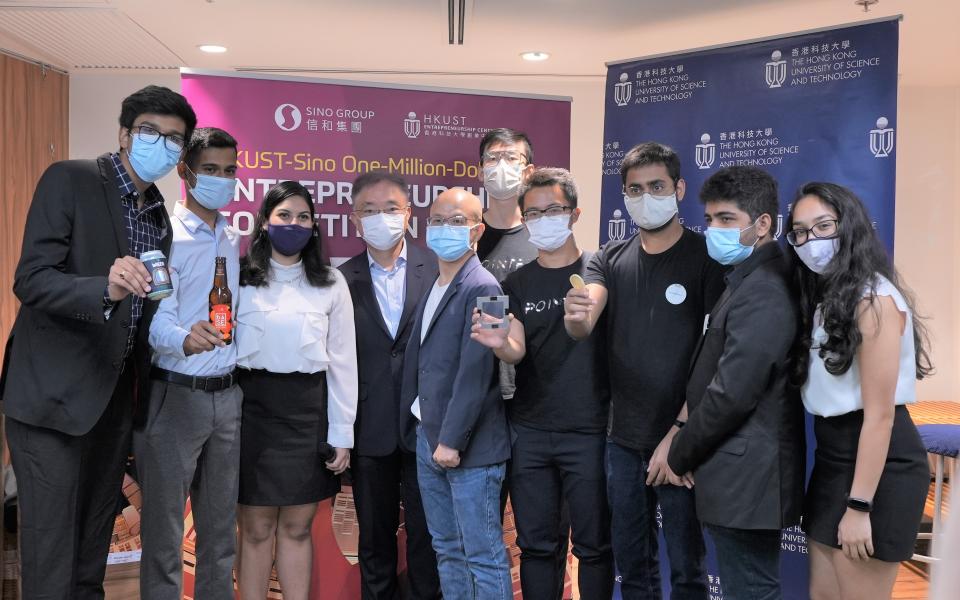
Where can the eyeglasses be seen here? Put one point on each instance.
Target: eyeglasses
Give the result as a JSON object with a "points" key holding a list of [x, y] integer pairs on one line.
{"points": [[636, 190], [390, 210], [551, 211], [455, 220], [493, 157], [822, 230], [149, 135]]}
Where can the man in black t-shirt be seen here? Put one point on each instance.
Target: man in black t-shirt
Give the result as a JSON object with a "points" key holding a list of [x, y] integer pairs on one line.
{"points": [[654, 290], [559, 410]]}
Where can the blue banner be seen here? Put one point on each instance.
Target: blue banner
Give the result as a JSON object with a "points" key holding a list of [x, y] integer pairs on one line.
{"points": [[816, 106]]}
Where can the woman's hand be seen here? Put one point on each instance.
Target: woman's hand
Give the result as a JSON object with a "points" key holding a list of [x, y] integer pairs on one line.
{"points": [[340, 462], [855, 535]]}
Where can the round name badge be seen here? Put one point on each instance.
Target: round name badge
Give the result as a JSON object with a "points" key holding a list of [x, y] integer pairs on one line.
{"points": [[676, 294]]}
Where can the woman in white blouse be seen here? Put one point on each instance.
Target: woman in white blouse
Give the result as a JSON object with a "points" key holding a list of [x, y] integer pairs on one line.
{"points": [[860, 355], [298, 359]]}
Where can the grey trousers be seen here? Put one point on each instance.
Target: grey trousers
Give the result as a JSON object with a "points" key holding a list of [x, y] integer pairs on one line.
{"points": [[190, 444]]}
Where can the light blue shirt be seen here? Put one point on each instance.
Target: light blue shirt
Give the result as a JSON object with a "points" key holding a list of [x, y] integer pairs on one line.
{"points": [[192, 265], [390, 288]]}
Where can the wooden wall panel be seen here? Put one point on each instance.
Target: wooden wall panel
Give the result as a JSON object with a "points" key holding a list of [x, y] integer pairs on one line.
{"points": [[34, 108]]}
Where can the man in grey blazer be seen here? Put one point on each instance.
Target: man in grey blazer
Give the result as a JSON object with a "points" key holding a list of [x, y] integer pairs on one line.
{"points": [[451, 385]]}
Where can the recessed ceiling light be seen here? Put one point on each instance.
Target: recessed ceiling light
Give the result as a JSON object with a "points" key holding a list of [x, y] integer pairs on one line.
{"points": [[535, 56], [212, 48]]}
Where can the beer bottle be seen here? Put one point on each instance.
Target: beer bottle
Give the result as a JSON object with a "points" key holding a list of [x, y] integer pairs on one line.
{"points": [[221, 301]]}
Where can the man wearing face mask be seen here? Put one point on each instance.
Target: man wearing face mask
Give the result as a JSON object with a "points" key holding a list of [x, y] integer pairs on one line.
{"points": [[78, 349], [450, 386], [386, 282], [558, 414], [655, 290], [744, 438], [188, 439]]}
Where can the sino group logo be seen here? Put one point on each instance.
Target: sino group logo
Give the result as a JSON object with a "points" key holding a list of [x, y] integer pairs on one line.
{"points": [[287, 117]]}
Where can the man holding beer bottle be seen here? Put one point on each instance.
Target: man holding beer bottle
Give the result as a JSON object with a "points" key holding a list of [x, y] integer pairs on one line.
{"points": [[189, 438]]}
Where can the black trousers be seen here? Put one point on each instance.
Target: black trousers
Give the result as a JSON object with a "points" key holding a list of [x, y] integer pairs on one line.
{"points": [[380, 483], [548, 470], [68, 492]]}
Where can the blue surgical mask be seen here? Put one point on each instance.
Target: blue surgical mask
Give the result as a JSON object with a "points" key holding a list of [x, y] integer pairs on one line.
{"points": [[151, 161], [213, 193], [449, 242], [723, 245]]}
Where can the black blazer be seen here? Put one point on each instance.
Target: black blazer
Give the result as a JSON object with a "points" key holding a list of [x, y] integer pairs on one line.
{"points": [[456, 378], [381, 425], [744, 439], [63, 358]]}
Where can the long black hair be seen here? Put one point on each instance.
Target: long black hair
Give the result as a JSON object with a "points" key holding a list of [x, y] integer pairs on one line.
{"points": [[860, 258], [255, 266]]}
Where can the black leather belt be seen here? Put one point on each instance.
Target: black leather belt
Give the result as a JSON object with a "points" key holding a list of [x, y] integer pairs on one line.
{"points": [[204, 384]]}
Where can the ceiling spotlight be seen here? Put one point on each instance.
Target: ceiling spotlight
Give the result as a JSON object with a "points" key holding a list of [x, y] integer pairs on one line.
{"points": [[535, 56], [866, 4], [212, 48]]}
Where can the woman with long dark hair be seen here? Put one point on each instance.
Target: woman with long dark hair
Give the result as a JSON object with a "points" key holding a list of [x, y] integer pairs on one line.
{"points": [[298, 359], [859, 357]]}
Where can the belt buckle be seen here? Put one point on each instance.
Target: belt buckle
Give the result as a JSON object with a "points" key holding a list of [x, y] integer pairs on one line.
{"points": [[195, 384]]}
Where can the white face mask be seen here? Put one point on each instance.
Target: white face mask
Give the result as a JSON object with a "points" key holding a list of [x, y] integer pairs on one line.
{"points": [[502, 180], [649, 211], [817, 253], [549, 233], [382, 231]]}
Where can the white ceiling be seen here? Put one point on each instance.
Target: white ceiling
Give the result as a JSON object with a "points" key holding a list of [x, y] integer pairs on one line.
{"points": [[410, 36]]}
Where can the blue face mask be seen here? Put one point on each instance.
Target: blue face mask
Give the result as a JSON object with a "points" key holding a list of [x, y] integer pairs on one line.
{"points": [[723, 245], [213, 193], [151, 161], [449, 242]]}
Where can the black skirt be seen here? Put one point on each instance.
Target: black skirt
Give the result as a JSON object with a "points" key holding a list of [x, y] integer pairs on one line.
{"points": [[901, 493], [284, 421]]}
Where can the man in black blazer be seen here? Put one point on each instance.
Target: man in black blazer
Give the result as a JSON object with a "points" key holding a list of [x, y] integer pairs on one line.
{"points": [[744, 438], [386, 282], [78, 355]]}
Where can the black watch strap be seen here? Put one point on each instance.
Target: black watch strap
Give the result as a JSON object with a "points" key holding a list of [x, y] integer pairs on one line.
{"points": [[679, 424], [859, 504]]}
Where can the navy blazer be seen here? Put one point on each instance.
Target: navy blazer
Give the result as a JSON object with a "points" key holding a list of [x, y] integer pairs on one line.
{"points": [[381, 423], [456, 378]]}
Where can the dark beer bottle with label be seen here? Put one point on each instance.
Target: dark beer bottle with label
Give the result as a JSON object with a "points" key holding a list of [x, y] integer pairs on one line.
{"points": [[221, 301]]}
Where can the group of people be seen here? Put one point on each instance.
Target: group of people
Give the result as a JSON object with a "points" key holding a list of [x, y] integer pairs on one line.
{"points": [[658, 383]]}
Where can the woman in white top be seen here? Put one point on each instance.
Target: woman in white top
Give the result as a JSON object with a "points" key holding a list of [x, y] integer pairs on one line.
{"points": [[858, 362], [298, 360]]}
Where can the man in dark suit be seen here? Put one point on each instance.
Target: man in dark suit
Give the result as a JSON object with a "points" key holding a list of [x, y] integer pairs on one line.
{"points": [[386, 282], [451, 385], [78, 354], [744, 439]]}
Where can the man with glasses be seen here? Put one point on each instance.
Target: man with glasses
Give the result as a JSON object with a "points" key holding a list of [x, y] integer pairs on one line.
{"points": [[386, 281], [559, 411], [655, 289], [79, 348], [450, 386]]}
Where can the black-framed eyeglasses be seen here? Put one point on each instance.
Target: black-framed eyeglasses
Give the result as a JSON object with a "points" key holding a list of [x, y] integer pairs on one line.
{"points": [[823, 230], [390, 210], [551, 211], [512, 157], [149, 135], [455, 220]]}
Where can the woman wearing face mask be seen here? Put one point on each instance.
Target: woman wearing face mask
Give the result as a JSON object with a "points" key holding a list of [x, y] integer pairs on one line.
{"points": [[858, 360], [297, 354]]}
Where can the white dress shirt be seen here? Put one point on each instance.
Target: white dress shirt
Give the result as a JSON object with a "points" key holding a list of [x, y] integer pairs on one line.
{"points": [[390, 288]]}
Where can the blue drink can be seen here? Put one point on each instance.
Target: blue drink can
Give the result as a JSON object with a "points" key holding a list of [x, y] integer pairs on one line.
{"points": [[156, 263]]}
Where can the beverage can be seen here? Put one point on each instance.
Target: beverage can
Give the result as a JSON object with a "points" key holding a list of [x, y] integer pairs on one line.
{"points": [[156, 263]]}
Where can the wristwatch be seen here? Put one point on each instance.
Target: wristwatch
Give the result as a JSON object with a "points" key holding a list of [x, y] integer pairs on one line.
{"points": [[859, 504], [679, 424]]}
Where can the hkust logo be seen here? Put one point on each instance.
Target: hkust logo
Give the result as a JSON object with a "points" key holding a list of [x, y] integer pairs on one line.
{"points": [[623, 90], [287, 117], [706, 152], [411, 125], [617, 226], [776, 70], [881, 139]]}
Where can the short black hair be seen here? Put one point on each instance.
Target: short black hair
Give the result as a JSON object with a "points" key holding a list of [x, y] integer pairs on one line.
{"points": [[549, 177], [159, 101], [374, 177], [753, 190], [203, 138], [651, 153], [503, 135]]}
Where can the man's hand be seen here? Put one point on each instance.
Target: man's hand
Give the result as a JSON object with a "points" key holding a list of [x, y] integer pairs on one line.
{"points": [[658, 471], [203, 337], [491, 338], [577, 305], [340, 462], [127, 276], [448, 458]]}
